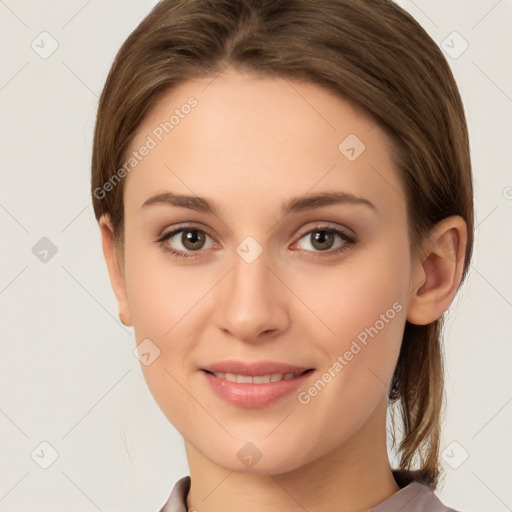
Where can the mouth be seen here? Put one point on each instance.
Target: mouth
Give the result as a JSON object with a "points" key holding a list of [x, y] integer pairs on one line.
{"points": [[257, 385], [257, 379]]}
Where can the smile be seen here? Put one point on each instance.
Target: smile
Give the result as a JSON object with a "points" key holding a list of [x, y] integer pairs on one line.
{"points": [[256, 379], [254, 391]]}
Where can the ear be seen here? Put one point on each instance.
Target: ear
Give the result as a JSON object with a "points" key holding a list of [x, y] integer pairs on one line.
{"points": [[115, 268], [436, 278]]}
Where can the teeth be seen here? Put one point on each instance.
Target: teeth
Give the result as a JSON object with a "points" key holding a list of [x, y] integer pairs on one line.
{"points": [[260, 379]]}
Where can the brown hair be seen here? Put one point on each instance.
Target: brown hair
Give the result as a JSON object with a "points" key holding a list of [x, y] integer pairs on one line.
{"points": [[372, 53]]}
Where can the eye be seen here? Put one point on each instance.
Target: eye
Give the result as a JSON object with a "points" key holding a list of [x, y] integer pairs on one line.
{"points": [[322, 239], [191, 239]]}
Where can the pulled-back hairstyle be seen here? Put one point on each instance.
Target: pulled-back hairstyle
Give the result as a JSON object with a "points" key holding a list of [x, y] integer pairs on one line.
{"points": [[371, 53]]}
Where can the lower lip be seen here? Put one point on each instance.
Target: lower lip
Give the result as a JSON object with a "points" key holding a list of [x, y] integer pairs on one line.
{"points": [[253, 396]]}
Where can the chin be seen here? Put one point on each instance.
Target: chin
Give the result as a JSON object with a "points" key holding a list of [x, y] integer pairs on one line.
{"points": [[275, 464]]}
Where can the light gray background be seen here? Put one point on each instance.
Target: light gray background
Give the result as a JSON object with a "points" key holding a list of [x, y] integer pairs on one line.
{"points": [[68, 374]]}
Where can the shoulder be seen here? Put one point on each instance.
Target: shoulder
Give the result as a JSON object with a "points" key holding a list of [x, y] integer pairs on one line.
{"points": [[414, 496], [178, 498]]}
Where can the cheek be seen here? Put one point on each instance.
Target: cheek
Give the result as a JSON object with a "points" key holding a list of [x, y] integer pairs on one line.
{"points": [[163, 299], [349, 297], [362, 302], [159, 291]]}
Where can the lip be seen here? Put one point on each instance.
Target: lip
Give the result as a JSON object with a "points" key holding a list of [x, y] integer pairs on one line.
{"points": [[254, 396], [255, 368]]}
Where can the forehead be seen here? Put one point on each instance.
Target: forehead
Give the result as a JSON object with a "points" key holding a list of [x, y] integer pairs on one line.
{"points": [[247, 137]]}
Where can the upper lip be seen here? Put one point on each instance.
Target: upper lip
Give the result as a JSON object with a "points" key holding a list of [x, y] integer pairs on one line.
{"points": [[255, 368]]}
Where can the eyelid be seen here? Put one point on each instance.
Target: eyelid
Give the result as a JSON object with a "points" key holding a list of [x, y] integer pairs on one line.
{"points": [[347, 241], [182, 227], [348, 238], [319, 225], [328, 226]]}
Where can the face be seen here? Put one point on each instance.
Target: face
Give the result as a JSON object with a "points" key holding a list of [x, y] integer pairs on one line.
{"points": [[266, 273]]}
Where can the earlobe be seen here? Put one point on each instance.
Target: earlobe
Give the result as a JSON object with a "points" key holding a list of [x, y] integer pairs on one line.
{"points": [[114, 267], [438, 275]]}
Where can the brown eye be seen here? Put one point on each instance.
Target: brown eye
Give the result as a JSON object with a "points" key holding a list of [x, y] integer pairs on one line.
{"points": [[322, 239], [193, 239], [184, 242], [325, 241]]}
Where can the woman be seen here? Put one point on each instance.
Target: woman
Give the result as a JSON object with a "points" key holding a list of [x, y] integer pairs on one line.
{"points": [[285, 199]]}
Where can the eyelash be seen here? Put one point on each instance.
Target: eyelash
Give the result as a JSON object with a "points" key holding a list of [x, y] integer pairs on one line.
{"points": [[349, 241]]}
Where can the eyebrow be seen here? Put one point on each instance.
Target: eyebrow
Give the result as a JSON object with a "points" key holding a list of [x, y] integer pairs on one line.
{"points": [[294, 205]]}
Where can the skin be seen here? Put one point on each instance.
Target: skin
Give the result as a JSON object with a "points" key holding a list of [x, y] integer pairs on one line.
{"points": [[250, 145]]}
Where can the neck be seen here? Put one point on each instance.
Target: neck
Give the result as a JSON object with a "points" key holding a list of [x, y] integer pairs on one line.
{"points": [[353, 477]]}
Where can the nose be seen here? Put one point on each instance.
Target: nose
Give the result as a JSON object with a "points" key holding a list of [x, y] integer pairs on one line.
{"points": [[251, 304]]}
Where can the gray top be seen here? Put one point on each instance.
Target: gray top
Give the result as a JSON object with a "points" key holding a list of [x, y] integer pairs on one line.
{"points": [[413, 496]]}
